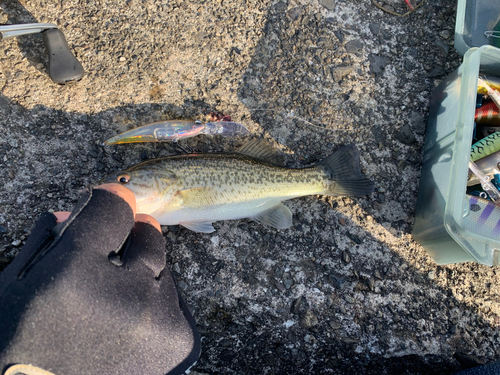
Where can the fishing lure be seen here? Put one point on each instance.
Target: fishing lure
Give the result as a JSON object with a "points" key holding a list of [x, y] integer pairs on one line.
{"points": [[486, 184], [485, 146], [482, 217], [488, 113], [174, 130], [487, 82], [489, 165], [491, 92]]}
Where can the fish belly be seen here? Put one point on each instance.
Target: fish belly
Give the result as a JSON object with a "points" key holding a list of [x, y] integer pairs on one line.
{"points": [[227, 211]]}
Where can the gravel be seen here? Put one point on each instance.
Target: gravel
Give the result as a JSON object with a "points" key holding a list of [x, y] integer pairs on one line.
{"points": [[346, 288]]}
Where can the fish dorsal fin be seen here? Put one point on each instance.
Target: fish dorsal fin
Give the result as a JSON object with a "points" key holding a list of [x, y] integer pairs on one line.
{"points": [[199, 226], [262, 150], [279, 217]]}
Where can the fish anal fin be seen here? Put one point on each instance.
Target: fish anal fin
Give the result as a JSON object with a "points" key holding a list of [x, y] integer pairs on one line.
{"points": [[279, 217], [263, 150], [198, 226]]}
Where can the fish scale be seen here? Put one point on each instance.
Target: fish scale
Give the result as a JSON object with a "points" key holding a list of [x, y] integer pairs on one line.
{"points": [[196, 190], [249, 177]]}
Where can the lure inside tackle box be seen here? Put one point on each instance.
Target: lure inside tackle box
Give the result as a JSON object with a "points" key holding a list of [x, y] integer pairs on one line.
{"points": [[451, 225]]}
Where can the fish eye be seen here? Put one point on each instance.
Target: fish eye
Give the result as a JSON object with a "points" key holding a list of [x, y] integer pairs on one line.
{"points": [[123, 178]]}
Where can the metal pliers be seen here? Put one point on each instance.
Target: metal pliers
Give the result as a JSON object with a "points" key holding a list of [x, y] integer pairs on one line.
{"points": [[63, 66]]}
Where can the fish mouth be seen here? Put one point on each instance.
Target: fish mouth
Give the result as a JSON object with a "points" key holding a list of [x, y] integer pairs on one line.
{"points": [[109, 179]]}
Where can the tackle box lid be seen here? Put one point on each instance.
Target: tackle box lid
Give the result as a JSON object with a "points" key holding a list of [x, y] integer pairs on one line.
{"points": [[477, 24]]}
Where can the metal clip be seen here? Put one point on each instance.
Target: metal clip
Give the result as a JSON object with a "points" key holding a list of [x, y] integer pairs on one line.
{"points": [[492, 34], [486, 184], [12, 31]]}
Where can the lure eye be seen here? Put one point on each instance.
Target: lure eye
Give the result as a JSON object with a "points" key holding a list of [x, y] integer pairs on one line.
{"points": [[123, 179]]}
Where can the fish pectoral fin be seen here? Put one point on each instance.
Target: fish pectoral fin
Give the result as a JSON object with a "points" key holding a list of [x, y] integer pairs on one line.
{"points": [[279, 217], [199, 226], [261, 149]]}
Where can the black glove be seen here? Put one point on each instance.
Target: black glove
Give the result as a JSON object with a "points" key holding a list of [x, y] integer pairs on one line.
{"points": [[92, 296]]}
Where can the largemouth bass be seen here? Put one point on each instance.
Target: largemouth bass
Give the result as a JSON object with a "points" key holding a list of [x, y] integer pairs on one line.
{"points": [[195, 190]]}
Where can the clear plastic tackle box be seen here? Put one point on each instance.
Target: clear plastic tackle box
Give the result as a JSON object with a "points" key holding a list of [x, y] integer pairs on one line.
{"points": [[444, 223]]}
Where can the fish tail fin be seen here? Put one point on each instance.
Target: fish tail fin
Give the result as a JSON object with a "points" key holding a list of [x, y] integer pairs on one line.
{"points": [[344, 173]]}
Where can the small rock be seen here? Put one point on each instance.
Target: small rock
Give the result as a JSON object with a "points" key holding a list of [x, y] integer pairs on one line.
{"points": [[100, 166], [443, 48], [279, 286], [445, 34], [227, 355], [348, 299], [310, 339], [335, 325], [339, 72], [336, 281], [329, 301], [3, 230], [431, 275], [418, 123], [406, 135], [374, 28], [339, 35], [16, 243], [353, 238], [354, 46], [281, 6], [13, 142], [377, 63], [176, 268], [4, 103], [295, 13], [295, 308], [409, 65], [349, 340], [182, 285], [309, 320], [371, 283], [328, 4], [346, 257]]}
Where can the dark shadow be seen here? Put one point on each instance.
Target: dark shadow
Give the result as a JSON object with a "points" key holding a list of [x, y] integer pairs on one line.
{"points": [[77, 146], [262, 340]]}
